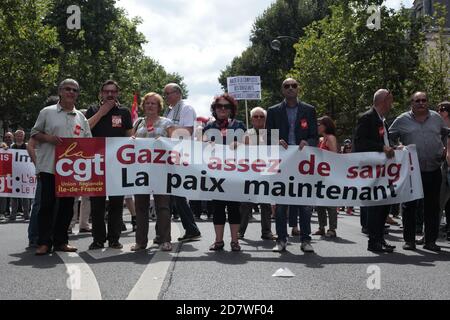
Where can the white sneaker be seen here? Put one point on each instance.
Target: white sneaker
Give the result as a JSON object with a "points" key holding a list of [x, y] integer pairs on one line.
{"points": [[306, 247], [280, 246]]}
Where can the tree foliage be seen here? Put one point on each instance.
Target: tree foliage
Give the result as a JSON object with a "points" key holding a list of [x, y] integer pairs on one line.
{"points": [[38, 51], [340, 62], [282, 18], [435, 63]]}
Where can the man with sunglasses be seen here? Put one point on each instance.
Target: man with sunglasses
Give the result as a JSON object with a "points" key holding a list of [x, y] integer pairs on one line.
{"points": [[108, 119], [183, 116], [296, 123], [426, 129], [58, 121]]}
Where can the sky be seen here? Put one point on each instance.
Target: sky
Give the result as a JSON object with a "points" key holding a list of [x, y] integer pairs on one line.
{"points": [[199, 38]]}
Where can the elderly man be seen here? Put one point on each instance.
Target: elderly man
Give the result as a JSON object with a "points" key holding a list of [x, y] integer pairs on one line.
{"points": [[58, 121], [297, 125], [183, 116], [427, 130], [371, 134], [108, 119], [253, 137]]}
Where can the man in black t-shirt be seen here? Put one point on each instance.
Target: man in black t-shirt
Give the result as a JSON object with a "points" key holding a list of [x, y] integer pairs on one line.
{"points": [[108, 119]]}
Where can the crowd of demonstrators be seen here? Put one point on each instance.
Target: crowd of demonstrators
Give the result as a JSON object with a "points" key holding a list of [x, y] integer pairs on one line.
{"points": [[254, 137], [296, 122], [427, 130], [224, 110], [183, 117], [152, 125], [52, 218], [108, 119]]}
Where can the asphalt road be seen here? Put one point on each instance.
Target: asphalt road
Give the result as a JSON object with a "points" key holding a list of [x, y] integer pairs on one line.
{"points": [[339, 269]]}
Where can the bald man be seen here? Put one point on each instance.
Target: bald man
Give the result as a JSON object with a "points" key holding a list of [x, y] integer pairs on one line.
{"points": [[372, 135]]}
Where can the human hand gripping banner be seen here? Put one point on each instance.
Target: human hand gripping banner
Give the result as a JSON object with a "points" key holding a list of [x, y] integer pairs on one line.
{"points": [[260, 174], [17, 174]]}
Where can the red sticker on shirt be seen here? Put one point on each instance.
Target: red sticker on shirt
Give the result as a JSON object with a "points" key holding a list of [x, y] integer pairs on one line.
{"points": [[116, 121], [304, 124], [381, 131], [150, 127], [77, 130]]}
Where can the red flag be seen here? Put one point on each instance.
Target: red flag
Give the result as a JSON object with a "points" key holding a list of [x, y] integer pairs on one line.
{"points": [[134, 112]]}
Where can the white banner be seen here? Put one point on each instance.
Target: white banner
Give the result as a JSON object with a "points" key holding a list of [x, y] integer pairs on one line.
{"points": [[17, 174], [244, 87], [308, 177]]}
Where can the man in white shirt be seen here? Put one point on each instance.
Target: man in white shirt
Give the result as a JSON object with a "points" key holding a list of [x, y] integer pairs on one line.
{"points": [[183, 116]]}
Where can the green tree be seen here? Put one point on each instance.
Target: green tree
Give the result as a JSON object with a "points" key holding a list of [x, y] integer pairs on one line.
{"points": [[38, 50], [28, 68], [340, 62], [435, 60]]}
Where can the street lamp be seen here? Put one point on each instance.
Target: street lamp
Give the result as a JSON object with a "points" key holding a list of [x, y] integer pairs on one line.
{"points": [[276, 43]]}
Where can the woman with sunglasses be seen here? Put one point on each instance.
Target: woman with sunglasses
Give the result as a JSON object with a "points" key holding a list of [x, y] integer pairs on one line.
{"points": [[327, 129], [224, 109]]}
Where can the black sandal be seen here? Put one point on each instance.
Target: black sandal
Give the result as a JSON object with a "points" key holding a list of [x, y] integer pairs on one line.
{"points": [[217, 246], [235, 246]]}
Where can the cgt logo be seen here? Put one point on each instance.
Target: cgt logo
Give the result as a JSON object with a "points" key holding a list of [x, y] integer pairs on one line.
{"points": [[75, 162], [6, 172]]}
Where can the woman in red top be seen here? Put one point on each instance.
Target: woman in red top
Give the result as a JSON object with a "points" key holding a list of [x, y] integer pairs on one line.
{"points": [[327, 129]]}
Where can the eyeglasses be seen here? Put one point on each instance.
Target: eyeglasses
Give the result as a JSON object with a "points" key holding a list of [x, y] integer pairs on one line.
{"points": [[110, 91], [166, 94], [443, 109], [227, 106], [290, 85], [258, 116], [420, 101], [69, 89]]}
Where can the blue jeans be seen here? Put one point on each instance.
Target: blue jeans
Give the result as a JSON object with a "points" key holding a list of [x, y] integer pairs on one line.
{"points": [[186, 215], [304, 213], [33, 225]]}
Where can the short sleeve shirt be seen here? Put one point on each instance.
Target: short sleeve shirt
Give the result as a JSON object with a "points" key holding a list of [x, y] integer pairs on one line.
{"points": [[115, 123], [187, 115], [158, 129], [53, 120]]}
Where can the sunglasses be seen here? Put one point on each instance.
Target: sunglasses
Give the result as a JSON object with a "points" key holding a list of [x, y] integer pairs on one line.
{"points": [[258, 117], [443, 109], [68, 89], [227, 106], [290, 85], [420, 100]]}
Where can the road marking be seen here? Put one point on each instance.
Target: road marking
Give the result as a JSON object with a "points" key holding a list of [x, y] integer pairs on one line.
{"points": [[81, 280], [149, 284], [108, 252]]}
